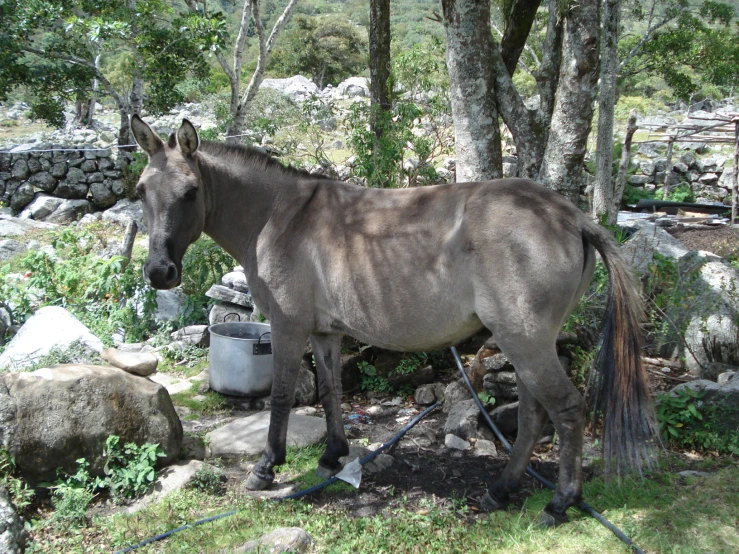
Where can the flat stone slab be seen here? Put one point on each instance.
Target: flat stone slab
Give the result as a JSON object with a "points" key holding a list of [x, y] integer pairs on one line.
{"points": [[138, 363], [225, 294], [15, 226], [172, 384], [247, 436]]}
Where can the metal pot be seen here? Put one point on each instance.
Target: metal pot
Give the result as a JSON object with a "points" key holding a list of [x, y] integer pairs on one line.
{"points": [[241, 358]]}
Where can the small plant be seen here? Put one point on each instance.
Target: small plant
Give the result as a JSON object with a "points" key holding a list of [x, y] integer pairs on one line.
{"points": [[680, 193], [486, 398], [20, 493], [675, 411], [72, 494], [371, 380], [208, 480], [411, 364], [130, 469]]}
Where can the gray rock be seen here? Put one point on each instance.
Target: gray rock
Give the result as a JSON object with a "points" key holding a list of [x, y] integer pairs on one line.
{"points": [[305, 387], [225, 294], [43, 180], [497, 362], [102, 195], [506, 418], [20, 170], [426, 395], [76, 175], [503, 377], [12, 534], [15, 227], [453, 442], [42, 206], [71, 189], [59, 170], [638, 179], [10, 248], [285, 539], [724, 378], [381, 463], [236, 280], [50, 327], [723, 399], [51, 417], [296, 87], [708, 178], [95, 178], [710, 309], [196, 335], [462, 419], [22, 197], [89, 166], [689, 159], [221, 312], [640, 248], [455, 392], [125, 211], [712, 370], [354, 86], [137, 363], [647, 168], [247, 436], [69, 211], [485, 447]]}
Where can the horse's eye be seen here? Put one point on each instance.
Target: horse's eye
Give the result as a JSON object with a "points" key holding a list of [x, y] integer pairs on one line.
{"points": [[191, 194]]}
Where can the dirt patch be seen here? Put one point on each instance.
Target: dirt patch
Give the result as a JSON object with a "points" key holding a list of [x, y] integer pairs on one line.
{"points": [[722, 240]]}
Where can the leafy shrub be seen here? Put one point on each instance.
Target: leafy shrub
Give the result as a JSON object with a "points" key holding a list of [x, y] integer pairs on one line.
{"points": [[130, 469], [680, 193], [371, 381], [208, 480], [20, 493], [632, 195]]}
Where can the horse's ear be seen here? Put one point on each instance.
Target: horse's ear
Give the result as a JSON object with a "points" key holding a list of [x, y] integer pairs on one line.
{"points": [[145, 136], [187, 138]]}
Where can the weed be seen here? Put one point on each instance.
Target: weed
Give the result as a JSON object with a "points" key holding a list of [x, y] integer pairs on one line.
{"points": [[680, 193], [674, 411], [371, 380], [208, 480], [20, 493], [130, 468]]}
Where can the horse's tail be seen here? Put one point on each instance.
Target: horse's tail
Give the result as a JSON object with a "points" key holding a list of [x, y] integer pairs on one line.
{"points": [[618, 387]]}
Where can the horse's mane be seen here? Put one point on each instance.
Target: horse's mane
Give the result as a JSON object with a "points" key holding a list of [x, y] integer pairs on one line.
{"points": [[254, 158]]}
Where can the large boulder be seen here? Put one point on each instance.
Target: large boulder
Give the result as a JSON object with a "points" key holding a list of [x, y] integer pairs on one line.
{"points": [[708, 313], [354, 86], [51, 417], [296, 87], [639, 250], [50, 327], [125, 211]]}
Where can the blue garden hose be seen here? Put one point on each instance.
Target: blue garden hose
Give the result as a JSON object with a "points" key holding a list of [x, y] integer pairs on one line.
{"points": [[369, 457], [582, 506]]}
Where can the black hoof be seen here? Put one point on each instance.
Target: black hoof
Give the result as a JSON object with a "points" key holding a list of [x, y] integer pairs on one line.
{"points": [[548, 519], [256, 483], [490, 504]]}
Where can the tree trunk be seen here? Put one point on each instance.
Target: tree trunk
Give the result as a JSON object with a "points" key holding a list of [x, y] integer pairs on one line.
{"points": [[469, 51], [573, 107], [603, 190], [379, 61], [618, 189]]}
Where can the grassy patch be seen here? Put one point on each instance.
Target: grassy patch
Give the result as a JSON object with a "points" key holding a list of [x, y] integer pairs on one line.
{"points": [[664, 513], [207, 403]]}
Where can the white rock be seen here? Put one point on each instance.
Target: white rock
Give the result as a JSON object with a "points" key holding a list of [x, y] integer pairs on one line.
{"points": [[50, 327], [454, 442], [138, 363]]}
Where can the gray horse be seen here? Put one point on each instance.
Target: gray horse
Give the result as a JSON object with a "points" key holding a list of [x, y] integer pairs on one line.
{"points": [[409, 270]]}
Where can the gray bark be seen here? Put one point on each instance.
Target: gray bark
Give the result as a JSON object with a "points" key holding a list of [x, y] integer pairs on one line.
{"points": [[266, 44], [379, 59], [603, 190], [618, 189], [469, 51], [573, 107], [735, 180]]}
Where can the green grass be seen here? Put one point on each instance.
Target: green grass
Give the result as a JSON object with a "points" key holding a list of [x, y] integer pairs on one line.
{"points": [[665, 514], [212, 402]]}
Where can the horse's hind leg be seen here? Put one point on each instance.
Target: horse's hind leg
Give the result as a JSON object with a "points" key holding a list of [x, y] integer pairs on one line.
{"points": [[538, 368], [327, 352], [531, 419]]}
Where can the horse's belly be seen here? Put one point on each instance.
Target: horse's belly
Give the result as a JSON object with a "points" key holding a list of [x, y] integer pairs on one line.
{"points": [[429, 331]]}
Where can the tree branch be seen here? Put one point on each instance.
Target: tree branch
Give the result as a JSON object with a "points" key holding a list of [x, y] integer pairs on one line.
{"points": [[517, 30]]}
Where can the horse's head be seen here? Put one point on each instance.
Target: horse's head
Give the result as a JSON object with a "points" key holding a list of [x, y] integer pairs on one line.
{"points": [[172, 193]]}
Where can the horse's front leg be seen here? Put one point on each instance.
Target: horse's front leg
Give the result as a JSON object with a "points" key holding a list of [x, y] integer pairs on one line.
{"points": [[288, 344], [327, 352]]}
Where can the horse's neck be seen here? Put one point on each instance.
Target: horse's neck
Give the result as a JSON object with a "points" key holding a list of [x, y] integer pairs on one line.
{"points": [[239, 204]]}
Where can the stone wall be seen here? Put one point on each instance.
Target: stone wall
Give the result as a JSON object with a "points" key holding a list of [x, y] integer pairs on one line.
{"points": [[706, 176], [41, 180]]}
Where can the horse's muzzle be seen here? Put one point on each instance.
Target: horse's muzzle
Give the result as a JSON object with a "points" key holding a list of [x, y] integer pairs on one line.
{"points": [[161, 275]]}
